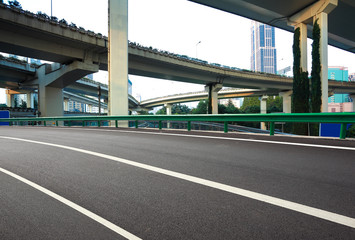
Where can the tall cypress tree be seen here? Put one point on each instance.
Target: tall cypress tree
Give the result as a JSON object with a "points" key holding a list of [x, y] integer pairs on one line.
{"points": [[296, 70], [316, 91], [300, 96]]}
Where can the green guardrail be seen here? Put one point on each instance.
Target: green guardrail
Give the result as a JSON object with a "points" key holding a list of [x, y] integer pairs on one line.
{"points": [[342, 118]]}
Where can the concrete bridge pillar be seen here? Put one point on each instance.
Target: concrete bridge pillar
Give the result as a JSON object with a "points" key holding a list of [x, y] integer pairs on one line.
{"points": [[168, 112], [50, 99], [10, 99], [213, 90], [318, 10], [118, 58], [263, 110], [66, 104], [323, 48], [286, 101], [89, 108], [30, 100]]}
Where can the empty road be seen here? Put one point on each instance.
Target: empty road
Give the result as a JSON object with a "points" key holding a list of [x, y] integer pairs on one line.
{"points": [[91, 183]]}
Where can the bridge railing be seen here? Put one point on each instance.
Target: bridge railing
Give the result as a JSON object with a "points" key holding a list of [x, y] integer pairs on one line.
{"points": [[342, 118]]}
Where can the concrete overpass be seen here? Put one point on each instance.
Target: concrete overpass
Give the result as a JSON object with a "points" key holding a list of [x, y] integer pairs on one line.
{"points": [[81, 52], [20, 71], [197, 96]]}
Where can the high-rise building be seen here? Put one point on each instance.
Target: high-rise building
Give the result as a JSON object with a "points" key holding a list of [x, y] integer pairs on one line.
{"points": [[263, 51], [339, 102], [338, 73]]}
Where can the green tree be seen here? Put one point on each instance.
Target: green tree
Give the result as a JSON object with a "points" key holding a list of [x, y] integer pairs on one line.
{"points": [[23, 104], [231, 109], [250, 104], [300, 96], [180, 109], [161, 111], [201, 107], [15, 102], [144, 112], [15, 3], [316, 91], [35, 103], [221, 109], [274, 104], [175, 109]]}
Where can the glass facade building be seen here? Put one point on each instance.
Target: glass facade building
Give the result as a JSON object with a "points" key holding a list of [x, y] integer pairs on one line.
{"points": [[338, 74], [263, 51]]}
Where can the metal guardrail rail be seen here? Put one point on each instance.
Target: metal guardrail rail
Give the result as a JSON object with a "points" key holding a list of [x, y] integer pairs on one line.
{"points": [[342, 118]]}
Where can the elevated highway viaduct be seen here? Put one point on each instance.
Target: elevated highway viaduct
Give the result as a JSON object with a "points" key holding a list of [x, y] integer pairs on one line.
{"points": [[80, 52]]}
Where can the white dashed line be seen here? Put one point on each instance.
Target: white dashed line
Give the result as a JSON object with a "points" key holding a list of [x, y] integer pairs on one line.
{"points": [[333, 217]]}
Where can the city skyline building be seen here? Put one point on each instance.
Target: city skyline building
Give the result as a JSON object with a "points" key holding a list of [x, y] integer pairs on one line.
{"points": [[263, 50], [339, 102]]}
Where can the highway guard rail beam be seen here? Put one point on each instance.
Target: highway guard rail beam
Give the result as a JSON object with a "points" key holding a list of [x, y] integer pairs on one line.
{"points": [[342, 118]]}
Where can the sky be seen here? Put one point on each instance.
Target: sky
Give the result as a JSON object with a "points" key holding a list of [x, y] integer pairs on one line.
{"points": [[178, 26]]}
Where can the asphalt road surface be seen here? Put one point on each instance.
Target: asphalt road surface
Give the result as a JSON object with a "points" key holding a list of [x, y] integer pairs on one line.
{"points": [[90, 183]]}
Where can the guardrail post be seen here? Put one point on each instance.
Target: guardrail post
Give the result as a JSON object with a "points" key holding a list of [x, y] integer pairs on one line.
{"points": [[116, 123], [188, 125], [226, 127], [160, 125], [272, 128], [56, 123], [343, 131], [136, 123]]}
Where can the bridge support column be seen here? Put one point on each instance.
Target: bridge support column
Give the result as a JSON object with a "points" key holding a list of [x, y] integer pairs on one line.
{"points": [[50, 99], [30, 100], [66, 104], [263, 110], [168, 112], [89, 109], [286, 101], [213, 90], [118, 58], [323, 49], [10, 99], [318, 10]]}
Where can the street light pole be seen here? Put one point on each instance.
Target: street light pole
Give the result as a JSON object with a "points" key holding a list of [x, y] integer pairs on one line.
{"points": [[51, 9], [196, 47]]}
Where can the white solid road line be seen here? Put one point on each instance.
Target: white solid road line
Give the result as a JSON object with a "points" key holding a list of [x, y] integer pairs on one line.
{"points": [[333, 217], [224, 138], [75, 206]]}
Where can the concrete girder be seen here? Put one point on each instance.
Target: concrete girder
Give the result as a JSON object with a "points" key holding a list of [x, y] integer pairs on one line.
{"points": [[306, 15]]}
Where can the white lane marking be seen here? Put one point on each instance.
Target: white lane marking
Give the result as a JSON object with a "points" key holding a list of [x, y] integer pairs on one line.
{"points": [[75, 206], [333, 217], [223, 138]]}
